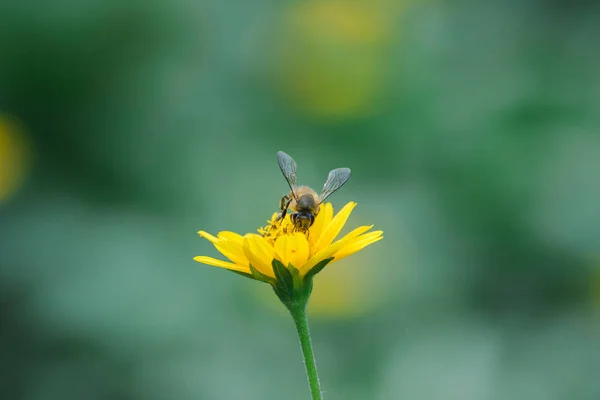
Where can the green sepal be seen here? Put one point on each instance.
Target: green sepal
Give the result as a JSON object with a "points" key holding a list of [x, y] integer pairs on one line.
{"points": [[247, 275], [305, 289], [291, 289], [259, 276], [285, 281], [317, 268]]}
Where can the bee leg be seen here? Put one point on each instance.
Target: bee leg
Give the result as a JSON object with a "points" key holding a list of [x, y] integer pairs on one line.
{"points": [[294, 218], [283, 206]]}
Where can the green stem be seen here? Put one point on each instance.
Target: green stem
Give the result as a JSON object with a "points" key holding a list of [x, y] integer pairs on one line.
{"points": [[299, 315]]}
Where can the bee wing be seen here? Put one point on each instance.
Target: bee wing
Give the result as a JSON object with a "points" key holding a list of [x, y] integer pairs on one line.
{"points": [[288, 169], [335, 180]]}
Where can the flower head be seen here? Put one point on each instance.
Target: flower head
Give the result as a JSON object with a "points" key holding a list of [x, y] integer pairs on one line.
{"points": [[286, 258]]}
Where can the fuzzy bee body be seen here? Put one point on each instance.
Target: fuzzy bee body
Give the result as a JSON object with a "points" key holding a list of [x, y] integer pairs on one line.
{"points": [[305, 208], [303, 201], [308, 200]]}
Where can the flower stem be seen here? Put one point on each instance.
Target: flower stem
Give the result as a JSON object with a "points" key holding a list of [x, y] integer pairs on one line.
{"points": [[299, 315]]}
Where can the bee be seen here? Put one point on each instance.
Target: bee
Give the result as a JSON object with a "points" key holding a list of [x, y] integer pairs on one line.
{"points": [[303, 201]]}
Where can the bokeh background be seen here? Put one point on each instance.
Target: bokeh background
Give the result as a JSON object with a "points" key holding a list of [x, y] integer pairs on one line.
{"points": [[471, 127]]}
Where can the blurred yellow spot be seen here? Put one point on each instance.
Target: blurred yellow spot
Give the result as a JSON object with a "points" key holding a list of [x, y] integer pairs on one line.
{"points": [[14, 158], [332, 55], [344, 295], [340, 292]]}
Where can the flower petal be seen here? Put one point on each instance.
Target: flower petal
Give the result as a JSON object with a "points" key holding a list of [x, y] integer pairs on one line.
{"points": [[300, 257], [356, 232], [259, 254], [232, 251], [229, 248], [292, 249], [322, 220], [358, 244], [327, 252], [223, 264], [336, 225], [208, 236], [282, 249], [226, 235]]}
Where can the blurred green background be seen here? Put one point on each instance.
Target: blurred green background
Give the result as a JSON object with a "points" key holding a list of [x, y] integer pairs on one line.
{"points": [[472, 130]]}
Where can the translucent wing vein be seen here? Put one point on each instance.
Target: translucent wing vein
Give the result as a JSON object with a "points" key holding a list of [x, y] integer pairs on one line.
{"points": [[288, 169], [335, 180]]}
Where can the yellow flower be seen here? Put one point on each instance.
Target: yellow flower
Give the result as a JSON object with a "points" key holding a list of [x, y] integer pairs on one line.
{"points": [[288, 260], [304, 254]]}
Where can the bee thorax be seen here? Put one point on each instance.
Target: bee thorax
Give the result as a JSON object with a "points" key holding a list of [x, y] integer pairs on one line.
{"points": [[306, 203]]}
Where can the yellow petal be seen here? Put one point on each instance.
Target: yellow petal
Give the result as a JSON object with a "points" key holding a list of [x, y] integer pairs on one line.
{"points": [[229, 248], [356, 232], [265, 251], [292, 249], [336, 225], [327, 252], [300, 257], [223, 264], [232, 251], [259, 254], [282, 248], [367, 237], [208, 236], [322, 220], [231, 236], [358, 244]]}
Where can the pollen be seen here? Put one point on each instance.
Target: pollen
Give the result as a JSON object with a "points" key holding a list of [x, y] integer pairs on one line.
{"points": [[275, 228]]}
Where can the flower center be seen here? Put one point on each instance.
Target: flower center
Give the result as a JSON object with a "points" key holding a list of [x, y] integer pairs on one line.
{"points": [[275, 228]]}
